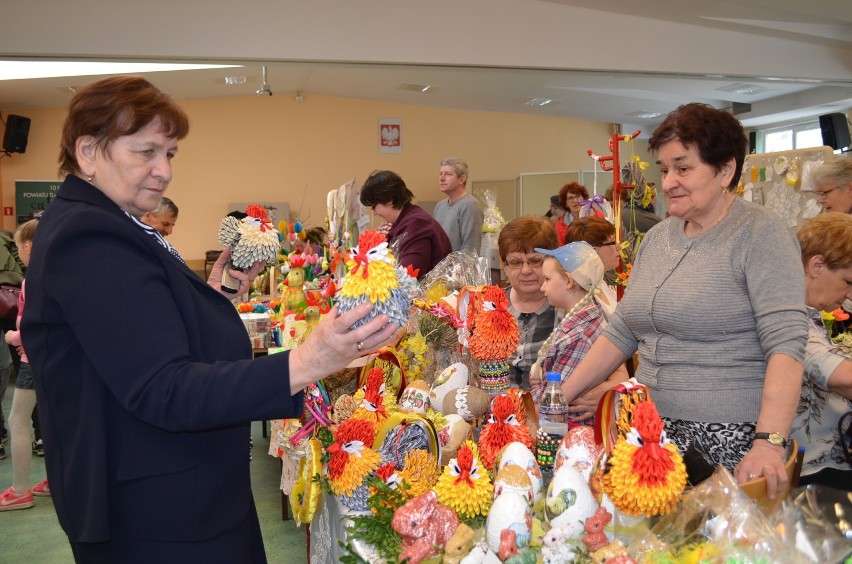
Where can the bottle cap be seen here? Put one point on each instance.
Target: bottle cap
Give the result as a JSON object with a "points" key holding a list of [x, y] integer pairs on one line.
{"points": [[554, 377]]}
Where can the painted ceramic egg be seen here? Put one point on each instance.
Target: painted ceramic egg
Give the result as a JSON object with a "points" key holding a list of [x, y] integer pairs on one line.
{"points": [[452, 378], [513, 478], [578, 449], [518, 454], [509, 511], [451, 436], [415, 398], [569, 498]]}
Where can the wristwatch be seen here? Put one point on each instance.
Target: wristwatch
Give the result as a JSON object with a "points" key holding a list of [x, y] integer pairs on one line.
{"points": [[774, 438]]}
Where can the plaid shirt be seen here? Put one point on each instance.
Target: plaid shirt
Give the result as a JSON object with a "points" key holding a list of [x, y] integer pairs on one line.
{"points": [[574, 337]]}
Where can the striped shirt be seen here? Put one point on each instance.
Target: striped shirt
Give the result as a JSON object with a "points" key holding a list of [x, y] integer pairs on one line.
{"points": [[157, 237]]}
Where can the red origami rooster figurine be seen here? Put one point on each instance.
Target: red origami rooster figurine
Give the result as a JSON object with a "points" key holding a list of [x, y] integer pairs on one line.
{"points": [[352, 460]]}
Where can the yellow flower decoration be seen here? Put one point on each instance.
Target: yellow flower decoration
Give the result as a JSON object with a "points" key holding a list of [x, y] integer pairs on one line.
{"points": [[421, 471]]}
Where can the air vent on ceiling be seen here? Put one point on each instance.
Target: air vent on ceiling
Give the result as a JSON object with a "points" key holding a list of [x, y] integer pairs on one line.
{"points": [[744, 89], [416, 87]]}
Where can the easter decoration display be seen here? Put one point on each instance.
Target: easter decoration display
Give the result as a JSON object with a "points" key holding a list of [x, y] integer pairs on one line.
{"points": [[251, 239]]}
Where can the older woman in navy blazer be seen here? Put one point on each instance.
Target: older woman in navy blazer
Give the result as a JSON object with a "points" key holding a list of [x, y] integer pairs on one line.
{"points": [[144, 374]]}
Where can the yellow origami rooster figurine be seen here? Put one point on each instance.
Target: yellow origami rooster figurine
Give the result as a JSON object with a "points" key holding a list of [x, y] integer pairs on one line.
{"points": [[645, 474], [465, 486], [375, 277]]}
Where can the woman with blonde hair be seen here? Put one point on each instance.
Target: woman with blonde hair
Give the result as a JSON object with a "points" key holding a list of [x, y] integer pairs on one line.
{"points": [[826, 243], [833, 184]]}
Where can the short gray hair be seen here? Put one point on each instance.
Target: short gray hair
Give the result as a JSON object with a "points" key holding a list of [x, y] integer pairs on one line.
{"points": [[838, 169], [166, 205], [458, 165]]}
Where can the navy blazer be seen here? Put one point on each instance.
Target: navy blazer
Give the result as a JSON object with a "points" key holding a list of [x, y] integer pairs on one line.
{"points": [[144, 380]]}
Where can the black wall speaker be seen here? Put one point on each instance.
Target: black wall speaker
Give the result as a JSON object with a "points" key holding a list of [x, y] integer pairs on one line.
{"points": [[835, 130], [752, 141], [16, 135]]}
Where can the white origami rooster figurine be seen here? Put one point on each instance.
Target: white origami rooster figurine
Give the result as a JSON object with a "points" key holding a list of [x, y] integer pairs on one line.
{"points": [[252, 239]]}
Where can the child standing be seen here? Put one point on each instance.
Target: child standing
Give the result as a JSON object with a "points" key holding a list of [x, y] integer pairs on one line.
{"points": [[573, 274], [20, 496]]}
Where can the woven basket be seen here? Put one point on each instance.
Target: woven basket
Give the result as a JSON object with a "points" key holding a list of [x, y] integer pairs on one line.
{"points": [[756, 489]]}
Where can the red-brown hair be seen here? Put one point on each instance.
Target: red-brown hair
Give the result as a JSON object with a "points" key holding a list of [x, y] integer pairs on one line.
{"points": [[114, 107], [523, 234], [575, 188], [593, 230]]}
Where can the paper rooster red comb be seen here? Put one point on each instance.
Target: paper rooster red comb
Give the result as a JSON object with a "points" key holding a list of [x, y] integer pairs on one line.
{"points": [[257, 211]]}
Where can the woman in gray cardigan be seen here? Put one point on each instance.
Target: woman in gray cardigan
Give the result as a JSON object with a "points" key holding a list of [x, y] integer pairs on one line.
{"points": [[715, 306]]}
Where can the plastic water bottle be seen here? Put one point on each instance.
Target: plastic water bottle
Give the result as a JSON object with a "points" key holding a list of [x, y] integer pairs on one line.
{"points": [[553, 413]]}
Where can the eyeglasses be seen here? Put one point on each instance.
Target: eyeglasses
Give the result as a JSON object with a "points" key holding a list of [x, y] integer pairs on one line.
{"points": [[825, 193], [532, 262]]}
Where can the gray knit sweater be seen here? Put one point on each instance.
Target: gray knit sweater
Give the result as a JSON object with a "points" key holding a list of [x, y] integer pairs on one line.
{"points": [[462, 220], [707, 312]]}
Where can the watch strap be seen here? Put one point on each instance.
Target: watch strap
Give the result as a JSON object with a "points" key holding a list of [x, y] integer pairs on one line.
{"points": [[776, 439]]}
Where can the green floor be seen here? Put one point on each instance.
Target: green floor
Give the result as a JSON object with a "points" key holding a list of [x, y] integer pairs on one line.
{"points": [[34, 535]]}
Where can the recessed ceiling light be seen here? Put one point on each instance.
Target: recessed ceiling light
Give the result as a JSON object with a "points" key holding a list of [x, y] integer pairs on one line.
{"points": [[424, 88], [743, 89], [231, 80], [644, 115], [538, 101]]}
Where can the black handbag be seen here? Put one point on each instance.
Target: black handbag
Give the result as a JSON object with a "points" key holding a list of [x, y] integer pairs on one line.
{"points": [[9, 301]]}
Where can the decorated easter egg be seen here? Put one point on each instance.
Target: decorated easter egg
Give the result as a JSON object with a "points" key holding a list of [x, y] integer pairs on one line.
{"points": [[578, 449], [415, 398], [451, 436], [469, 402], [509, 511], [513, 478], [518, 454], [569, 498], [451, 378]]}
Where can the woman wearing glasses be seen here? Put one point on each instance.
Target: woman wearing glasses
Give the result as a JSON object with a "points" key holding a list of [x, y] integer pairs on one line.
{"points": [[826, 243], [536, 318], [569, 200], [833, 184]]}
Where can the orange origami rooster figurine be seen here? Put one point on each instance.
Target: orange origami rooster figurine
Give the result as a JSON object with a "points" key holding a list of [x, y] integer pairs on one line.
{"points": [[503, 428], [494, 338], [645, 474]]}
